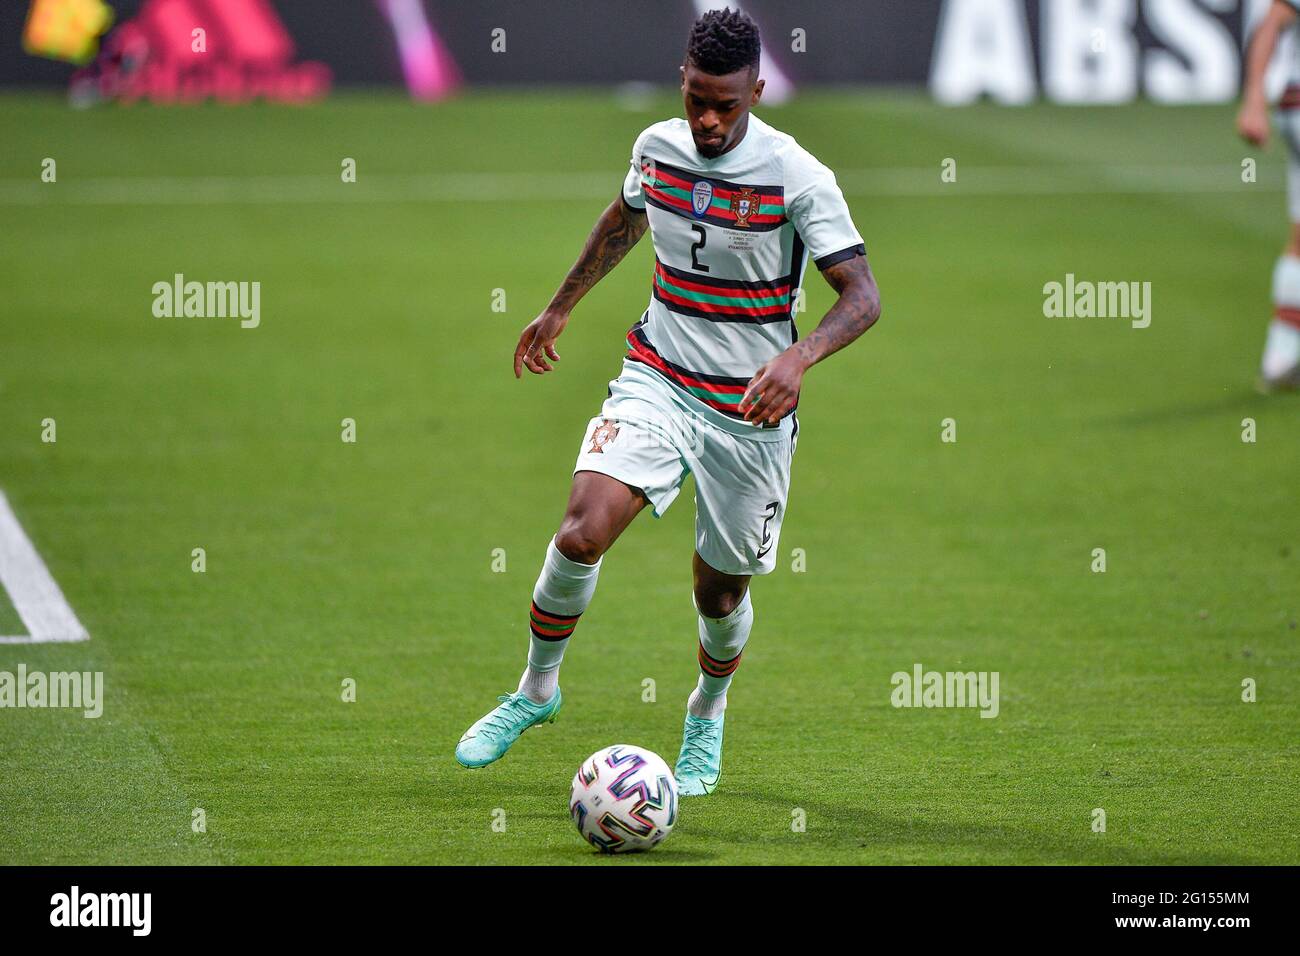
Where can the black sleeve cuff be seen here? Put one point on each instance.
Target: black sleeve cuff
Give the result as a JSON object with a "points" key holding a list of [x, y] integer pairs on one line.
{"points": [[640, 209], [830, 259]]}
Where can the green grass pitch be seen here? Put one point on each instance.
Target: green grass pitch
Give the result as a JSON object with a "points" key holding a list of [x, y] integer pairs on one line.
{"points": [[373, 561]]}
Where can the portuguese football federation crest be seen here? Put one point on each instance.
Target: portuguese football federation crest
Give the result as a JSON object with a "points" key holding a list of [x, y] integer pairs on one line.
{"points": [[702, 197], [743, 205], [602, 436]]}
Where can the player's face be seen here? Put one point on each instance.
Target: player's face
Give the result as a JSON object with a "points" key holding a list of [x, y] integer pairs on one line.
{"points": [[717, 107]]}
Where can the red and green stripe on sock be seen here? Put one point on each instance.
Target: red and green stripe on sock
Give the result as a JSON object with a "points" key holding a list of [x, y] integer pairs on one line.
{"points": [[548, 626]]}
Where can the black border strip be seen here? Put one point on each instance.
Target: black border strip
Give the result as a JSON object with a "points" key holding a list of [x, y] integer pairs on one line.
{"points": [[831, 258]]}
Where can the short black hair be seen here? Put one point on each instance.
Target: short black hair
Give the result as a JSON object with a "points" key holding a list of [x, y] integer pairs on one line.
{"points": [[724, 41]]}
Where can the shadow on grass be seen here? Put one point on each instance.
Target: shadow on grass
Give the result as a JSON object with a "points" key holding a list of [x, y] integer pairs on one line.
{"points": [[1240, 401], [666, 854], [847, 828]]}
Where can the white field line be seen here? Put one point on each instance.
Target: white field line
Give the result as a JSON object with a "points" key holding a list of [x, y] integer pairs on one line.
{"points": [[35, 595], [509, 187]]}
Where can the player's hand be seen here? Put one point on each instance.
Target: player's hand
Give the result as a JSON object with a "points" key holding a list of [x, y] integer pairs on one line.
{"points": [[537, 343], [774, 389], [1252, 123]]}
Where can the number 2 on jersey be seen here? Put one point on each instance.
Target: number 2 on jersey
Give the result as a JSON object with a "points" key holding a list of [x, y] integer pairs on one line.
{"points": [[697, 246]]}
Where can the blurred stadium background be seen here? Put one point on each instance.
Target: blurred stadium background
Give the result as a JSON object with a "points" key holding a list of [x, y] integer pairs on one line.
{"points": [[1089, 138], [1067, 51]]}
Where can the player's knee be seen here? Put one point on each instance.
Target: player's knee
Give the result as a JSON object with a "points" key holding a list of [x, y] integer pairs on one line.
{"points": [[578, 544], [718, 603]]}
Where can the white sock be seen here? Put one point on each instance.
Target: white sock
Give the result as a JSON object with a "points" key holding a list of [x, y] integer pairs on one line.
{"points": [[562, 592], [701, 704], [722, 641], [1282, 348], [539, 686]]}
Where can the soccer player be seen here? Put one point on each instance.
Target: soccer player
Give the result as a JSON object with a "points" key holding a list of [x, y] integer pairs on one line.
{"points": [[1280, 367], [710, 380]]}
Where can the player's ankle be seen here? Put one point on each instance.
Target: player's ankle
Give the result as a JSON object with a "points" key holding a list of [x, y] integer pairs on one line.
{"points": [[539, 686], [706, 706]]}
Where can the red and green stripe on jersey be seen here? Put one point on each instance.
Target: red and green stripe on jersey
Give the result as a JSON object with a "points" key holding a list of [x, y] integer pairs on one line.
{"points": [[717, 391], [548, 626], [722, 300], [704, 199]]}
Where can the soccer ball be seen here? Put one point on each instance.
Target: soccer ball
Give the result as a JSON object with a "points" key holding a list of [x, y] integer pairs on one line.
{"points": [[624, 798]]}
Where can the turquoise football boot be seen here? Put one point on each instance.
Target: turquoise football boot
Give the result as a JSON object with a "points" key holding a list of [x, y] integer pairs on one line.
{"points": [[491, 737], [699, 766]]}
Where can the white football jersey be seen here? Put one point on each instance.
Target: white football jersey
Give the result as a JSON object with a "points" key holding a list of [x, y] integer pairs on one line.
{"points": [[732, 236]]}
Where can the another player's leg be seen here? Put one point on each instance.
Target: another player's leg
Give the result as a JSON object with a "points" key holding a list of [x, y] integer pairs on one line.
{"points": [[725, 618], [1280, 366], [600, 508]]}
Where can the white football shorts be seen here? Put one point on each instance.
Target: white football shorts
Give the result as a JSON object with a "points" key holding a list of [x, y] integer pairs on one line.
{"points": [[651, 436]]}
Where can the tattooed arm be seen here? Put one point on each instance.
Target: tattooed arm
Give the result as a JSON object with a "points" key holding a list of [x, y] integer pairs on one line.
{"points": [[774, 389], [617, 230]]}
